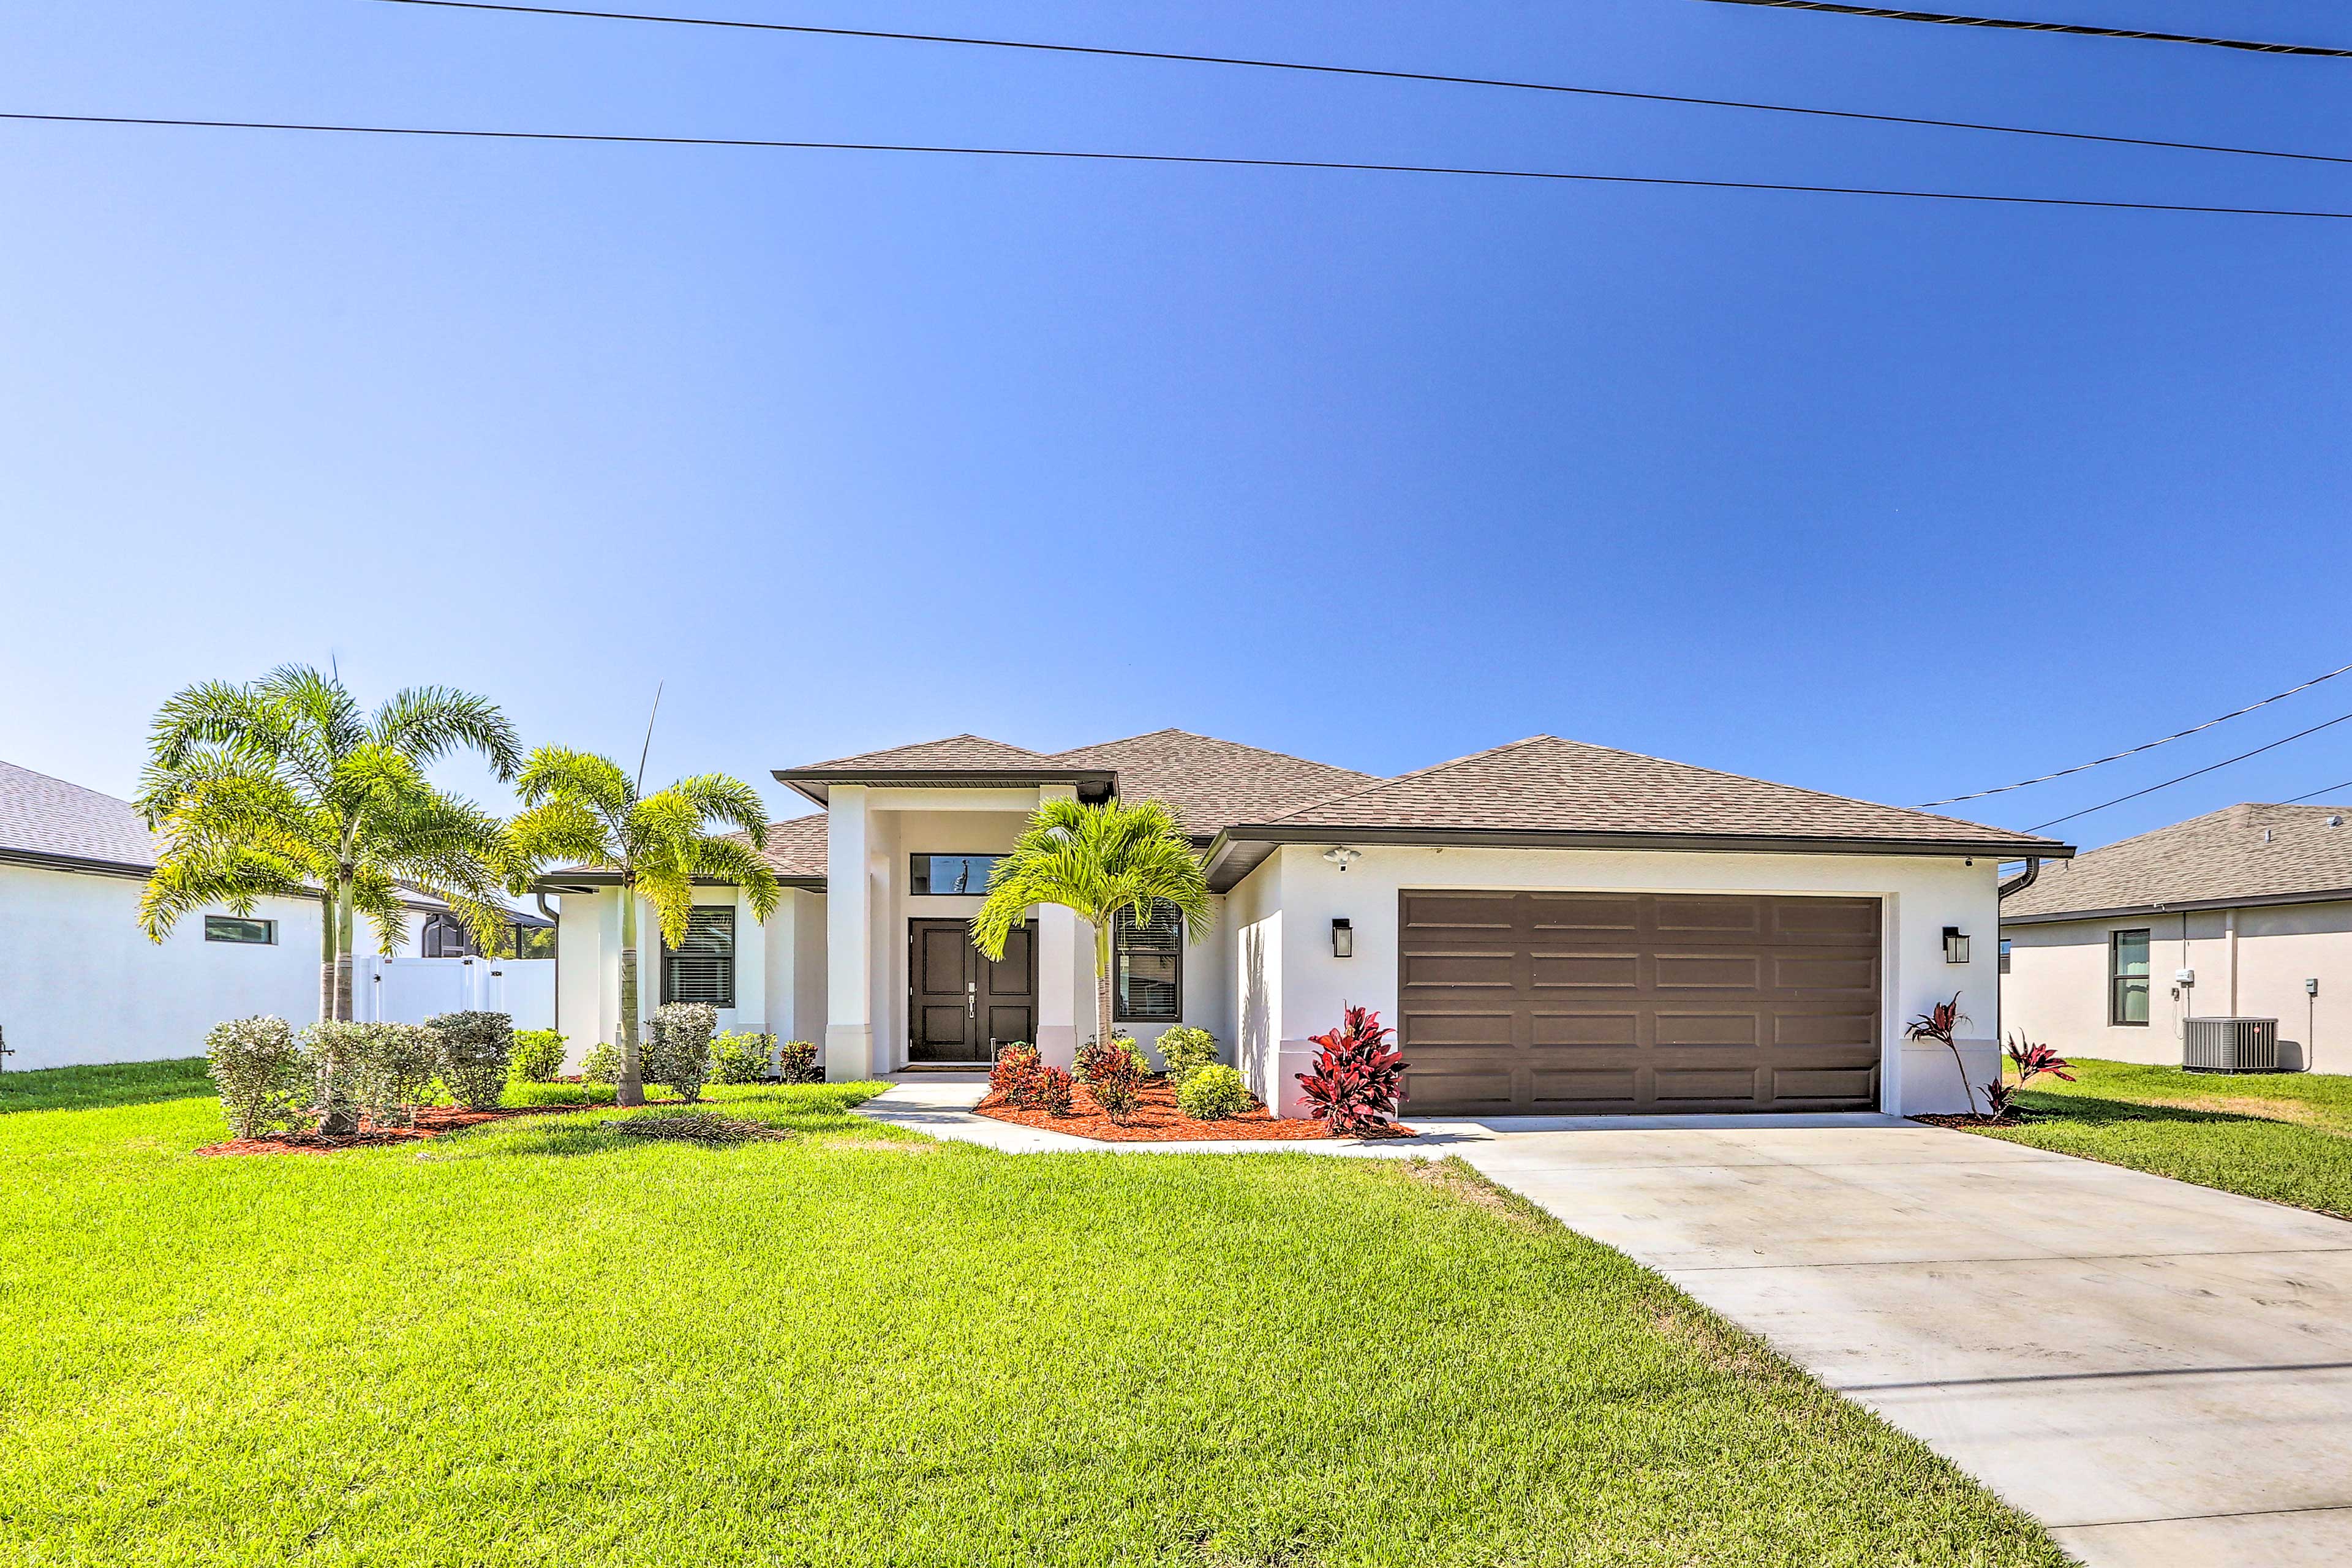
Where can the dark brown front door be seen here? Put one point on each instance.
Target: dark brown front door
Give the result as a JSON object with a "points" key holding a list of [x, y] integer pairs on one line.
{"points": [[1578, 1003], [960, 1004]]}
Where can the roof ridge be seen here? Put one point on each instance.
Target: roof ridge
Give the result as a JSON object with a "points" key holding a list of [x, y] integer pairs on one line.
{"points": [[1416, 773]]}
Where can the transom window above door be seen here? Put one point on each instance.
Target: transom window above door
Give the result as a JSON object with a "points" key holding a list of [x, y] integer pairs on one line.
{"points": [[949, 874]]}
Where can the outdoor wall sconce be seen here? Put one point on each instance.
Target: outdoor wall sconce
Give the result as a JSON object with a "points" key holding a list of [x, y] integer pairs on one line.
{"points": [[1956, 945], [1343, 940], [1339, 855]]}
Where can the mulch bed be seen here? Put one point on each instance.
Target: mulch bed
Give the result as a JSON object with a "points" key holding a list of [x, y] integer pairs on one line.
{"points": [[1964, 1123], [1157, 1121], [430, 1122]]}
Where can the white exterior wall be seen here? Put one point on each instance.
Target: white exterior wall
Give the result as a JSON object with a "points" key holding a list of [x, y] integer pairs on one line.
{"points": [[79, 983], [1303, 990], [770, 984], [1253, 925], [2250, 963]]}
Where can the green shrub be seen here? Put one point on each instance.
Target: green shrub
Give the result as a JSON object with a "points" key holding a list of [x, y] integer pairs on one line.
{"points": [[742, 1057], [538, 1056], [678, 1047], [470, 1050], [382, 1072], [335, 1053], [1212, 1093], [796, 1063], [262, 1074], [601, 1064], [1186, 1050]]}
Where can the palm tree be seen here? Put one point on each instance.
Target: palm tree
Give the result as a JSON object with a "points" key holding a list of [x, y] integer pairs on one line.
{"points": [[284, 786], [582, 808], [1096, 860]]}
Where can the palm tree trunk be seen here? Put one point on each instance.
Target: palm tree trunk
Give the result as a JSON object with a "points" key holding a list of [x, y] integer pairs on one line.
{"points": [[630, 1091], [1102, 982], [343, 917], [325, 954]]}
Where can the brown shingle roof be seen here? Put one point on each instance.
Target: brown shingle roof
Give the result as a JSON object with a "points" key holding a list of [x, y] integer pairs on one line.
{"points": [[1546, 784], [1211, 783], [2249, 853], [797, 847], [955, 752], [44, 817]]}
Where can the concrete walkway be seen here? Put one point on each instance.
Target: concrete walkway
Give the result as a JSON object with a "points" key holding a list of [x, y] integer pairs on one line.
{"points": [[2161, 1374]]}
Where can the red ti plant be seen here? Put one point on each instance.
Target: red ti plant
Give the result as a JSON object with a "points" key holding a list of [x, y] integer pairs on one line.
{"points": [[1938, 1024], [2031, 1061], [1014, 1075], [1052, 1092], [1354, 1085]]}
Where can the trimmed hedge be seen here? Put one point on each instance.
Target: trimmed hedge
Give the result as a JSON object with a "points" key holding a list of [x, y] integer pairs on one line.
{"points": [[262, 1073], [1213, 1093], [678, 1047], [470, 1050], [538, 1056]]}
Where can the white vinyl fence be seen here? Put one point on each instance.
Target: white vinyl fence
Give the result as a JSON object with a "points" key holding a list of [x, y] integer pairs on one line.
{"points": [[411, 990]]}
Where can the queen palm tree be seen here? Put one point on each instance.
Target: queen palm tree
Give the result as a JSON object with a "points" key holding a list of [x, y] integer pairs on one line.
{"points": [[583, 809], [1096, 860], [284, 786]]}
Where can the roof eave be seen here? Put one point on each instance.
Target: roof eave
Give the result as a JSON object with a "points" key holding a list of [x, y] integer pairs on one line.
{"points": [[45, 860], [1229, 862], [815, 784], [2182, 906], [597, 881]]}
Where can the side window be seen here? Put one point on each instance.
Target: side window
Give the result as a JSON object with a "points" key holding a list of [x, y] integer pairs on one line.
{"points": [[2127, 977], [1147, 967], [2004, 955], [702, 967]]}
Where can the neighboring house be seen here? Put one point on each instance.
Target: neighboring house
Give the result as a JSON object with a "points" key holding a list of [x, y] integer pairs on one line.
{"points": [[435, 931], [2243, 913], [1553, 927], [80, 981]]}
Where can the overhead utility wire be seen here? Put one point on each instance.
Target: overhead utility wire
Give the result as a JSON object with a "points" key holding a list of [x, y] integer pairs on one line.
{"points": [[1360, 71], [2011, 23], [2136, 751], [2184, 778], [1064, 153], [2314, 795]]}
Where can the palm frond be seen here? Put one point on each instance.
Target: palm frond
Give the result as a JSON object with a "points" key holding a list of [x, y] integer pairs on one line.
{"points": [[732, 860], [720, 798], [553, 773], [425, 721], [181, 884]]}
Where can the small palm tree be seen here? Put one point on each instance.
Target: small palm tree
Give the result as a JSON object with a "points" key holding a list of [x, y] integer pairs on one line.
{"points": [[1096, 860], [583, 809], [284, 787]]}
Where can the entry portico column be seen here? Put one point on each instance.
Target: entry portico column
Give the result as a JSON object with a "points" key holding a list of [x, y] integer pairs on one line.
{"points": [[848, 945]]}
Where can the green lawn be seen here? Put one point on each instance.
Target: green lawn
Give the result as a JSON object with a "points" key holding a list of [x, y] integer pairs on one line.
{"points": [[2286, 1137], [538, 1342]]}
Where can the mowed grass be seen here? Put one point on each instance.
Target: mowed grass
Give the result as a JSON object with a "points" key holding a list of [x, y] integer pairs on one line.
{"points": [[539, 1342], [2286, 1137]]}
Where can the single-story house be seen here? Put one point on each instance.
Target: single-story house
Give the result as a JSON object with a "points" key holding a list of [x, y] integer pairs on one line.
{"points": [[2243, 912], [80, 981], [1552, 927]]}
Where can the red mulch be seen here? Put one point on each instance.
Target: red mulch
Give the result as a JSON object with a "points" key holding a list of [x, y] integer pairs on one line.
{"points": [[1157, 1121], [430, 1122]]}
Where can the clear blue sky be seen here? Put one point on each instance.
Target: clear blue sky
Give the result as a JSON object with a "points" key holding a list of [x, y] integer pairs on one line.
{"points": [[1885, 498]]}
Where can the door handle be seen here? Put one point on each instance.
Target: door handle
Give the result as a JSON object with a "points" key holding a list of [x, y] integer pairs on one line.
{"points": [[970, 1000]]}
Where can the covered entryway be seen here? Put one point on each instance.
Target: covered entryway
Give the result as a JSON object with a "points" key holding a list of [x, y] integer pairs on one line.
{"points": [[1572, 1004], [960, 1006]]}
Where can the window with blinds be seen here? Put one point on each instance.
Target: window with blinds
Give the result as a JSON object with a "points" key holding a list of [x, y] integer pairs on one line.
{"points": [[702, 967], [1148, 966]]}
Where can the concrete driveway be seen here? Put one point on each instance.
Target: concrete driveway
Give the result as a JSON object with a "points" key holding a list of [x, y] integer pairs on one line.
{"points": [[2161, 1374]]}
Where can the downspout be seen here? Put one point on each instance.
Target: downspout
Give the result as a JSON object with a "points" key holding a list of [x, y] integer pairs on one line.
{"points": [[2024, 880]]}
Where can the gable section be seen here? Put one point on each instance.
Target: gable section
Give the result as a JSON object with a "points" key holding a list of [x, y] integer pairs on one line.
{"points": [[1211, 783]]}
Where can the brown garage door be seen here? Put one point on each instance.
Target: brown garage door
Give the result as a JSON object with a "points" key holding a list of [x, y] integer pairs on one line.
{"points": [[1578, 1003]]}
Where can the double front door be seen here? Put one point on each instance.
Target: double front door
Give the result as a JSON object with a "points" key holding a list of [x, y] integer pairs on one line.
{"points": [[960, 1006]]}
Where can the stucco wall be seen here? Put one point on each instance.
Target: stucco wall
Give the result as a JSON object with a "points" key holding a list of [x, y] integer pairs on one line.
{"points": [[1254, 926], [80, 981], [2248, 963], [1919, 896], [588, 967]]}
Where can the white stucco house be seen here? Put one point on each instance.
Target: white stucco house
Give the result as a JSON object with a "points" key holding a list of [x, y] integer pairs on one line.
{"points": [[80, 983], [2243, 912], [1553, 927]]}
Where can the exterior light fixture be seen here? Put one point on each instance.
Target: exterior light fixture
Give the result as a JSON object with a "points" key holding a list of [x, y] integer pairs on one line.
{"points": [[1343, 938], [1956, 945], [1339, 855]]}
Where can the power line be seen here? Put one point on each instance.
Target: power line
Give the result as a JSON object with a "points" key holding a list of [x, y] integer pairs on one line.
{"points": [[1183, 158], [2077, 29], [2314, 795], [1504, 82], [2136, 751], [2184, 778]]}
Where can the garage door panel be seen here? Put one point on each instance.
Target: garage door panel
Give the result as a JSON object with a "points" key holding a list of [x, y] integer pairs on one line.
{"points": [[1591, 971], [1498, 970], [1617, 1002], [1582, 1089], [1741, 1028], [1431, 1028], [1618, 1030], [1709, 971]]}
